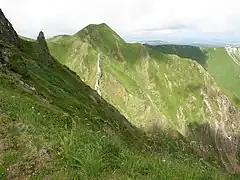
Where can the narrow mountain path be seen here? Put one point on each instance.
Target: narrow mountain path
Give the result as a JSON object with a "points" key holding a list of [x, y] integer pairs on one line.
{"points": [[99, 74]]}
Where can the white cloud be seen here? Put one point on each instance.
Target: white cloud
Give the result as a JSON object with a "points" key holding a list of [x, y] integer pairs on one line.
{"points": [[125, 16]]}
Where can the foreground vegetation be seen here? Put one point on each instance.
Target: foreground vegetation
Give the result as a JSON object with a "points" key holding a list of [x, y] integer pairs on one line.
{"points": [[54, 126]]}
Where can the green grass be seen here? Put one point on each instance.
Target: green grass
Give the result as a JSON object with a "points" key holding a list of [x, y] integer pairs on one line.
{"points": [[225, 71], [43, 142], [103, 38], [216, 61]]}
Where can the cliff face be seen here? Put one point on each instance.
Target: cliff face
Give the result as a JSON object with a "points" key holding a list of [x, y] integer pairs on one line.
{"points": [[7, 33], [42, 41], [158, 91], [43, 51], [219, 135]]}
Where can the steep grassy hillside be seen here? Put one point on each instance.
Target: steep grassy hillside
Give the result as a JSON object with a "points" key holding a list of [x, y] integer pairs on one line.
{"points": [[155, 90], [53, 126], [222, 63]]}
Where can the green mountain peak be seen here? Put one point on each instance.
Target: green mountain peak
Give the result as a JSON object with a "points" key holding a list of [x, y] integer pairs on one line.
{"points": [[101, 37], [101, 25]]}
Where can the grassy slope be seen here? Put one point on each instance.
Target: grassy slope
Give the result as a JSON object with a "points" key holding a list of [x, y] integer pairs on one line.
{"points": [[225, 71], [216, 61], [147, 83], [54, 126], [44, 112]]}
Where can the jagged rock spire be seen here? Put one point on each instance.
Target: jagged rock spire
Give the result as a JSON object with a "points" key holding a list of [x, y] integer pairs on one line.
{"points": [[7, 33], [44, 54], [42, 41]]}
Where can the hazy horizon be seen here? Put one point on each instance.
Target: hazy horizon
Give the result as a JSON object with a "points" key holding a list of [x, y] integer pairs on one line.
{"points": [[137, 20]]}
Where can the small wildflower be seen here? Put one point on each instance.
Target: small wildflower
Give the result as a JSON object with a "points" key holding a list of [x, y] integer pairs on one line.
{"points": [[38, 114], [13, 96], [163, 160], [32, 107]]}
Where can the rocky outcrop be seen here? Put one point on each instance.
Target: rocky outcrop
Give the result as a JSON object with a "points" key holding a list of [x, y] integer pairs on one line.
{"points": [[7, 33], [219, 135], [43, 51], [10, 60], [42, 41]]}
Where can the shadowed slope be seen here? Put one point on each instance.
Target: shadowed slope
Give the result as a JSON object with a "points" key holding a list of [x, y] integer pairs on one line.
{"points": [[185, 51]]}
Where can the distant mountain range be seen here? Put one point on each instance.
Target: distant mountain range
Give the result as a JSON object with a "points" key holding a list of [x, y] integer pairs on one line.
{"points": [[193, 43]]}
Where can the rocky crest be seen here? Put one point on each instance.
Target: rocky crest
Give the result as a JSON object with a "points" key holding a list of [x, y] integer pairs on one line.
{"points": [[43, 51], [42, 41], [7, 33]]}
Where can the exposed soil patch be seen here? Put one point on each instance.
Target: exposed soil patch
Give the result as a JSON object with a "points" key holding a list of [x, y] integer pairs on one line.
{"points": [[19, 156]]}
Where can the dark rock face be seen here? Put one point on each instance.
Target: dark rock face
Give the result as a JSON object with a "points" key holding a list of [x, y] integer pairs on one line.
{"points": [[7, 33], [42, 42], [43, 51]]}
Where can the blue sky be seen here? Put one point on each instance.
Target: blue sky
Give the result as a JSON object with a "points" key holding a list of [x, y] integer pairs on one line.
{"points": [[157, 19]]}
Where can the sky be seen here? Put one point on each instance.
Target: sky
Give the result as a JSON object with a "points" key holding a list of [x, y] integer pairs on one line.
{"points": [[132, 19]]}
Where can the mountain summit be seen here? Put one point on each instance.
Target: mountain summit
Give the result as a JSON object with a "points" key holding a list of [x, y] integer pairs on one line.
{"points": [[100, 31], [103, 38]]}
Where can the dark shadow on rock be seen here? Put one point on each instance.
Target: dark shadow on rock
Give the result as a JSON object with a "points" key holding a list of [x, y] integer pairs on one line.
{"points": [[204, 142], [215, 145], [7, 33]]}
